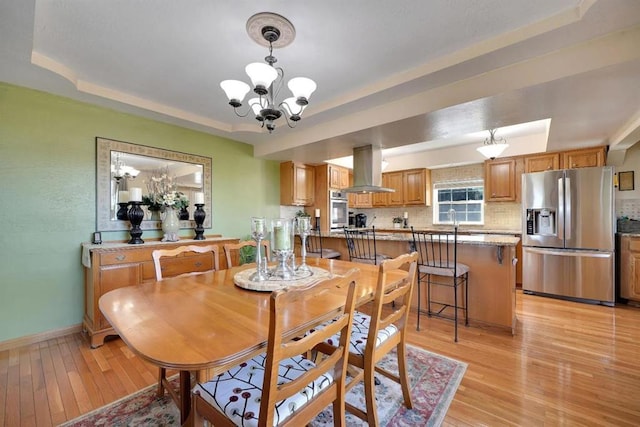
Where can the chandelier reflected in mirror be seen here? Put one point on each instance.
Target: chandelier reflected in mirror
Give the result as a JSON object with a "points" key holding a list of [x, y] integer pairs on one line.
{"points": [[270, 30], [493, 146]]}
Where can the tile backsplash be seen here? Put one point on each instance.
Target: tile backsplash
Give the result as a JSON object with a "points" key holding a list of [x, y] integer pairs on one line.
{"points": [[628, 207]]}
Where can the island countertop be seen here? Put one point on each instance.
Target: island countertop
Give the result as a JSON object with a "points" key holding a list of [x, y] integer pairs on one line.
{"points": [[463, 239], [492, 262]]}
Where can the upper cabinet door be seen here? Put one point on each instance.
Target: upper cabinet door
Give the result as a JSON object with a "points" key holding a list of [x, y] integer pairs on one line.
{"points": [[542, 162], [394, 181], [500, 180], [585, 158], [297, 182], [417, 187], [338, 177]]}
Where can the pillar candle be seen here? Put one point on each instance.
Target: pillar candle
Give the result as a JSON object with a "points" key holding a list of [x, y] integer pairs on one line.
{"points": [[198, 198], [135, 194], [281, 239], [406, 215], [317, 213], [123, 196]]}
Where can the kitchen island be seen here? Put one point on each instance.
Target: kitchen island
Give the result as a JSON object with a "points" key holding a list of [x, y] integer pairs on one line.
{"points": [[492, 277]]}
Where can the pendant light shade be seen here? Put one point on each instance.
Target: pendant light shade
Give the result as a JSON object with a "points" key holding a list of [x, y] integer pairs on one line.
{"points": [[235, 90], [493, 146], [261, 74], [301, 87]]}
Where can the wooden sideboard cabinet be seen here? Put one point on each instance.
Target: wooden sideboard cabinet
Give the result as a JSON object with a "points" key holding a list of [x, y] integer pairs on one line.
{"points": [[116, 265]]}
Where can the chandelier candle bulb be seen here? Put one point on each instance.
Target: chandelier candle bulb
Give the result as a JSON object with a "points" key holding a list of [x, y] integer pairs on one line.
{"points": [[123, 196], [135, 194], [198, 198]]}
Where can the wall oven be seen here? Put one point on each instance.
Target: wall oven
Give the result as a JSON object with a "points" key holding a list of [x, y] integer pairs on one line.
{"points": [[338, 209]]}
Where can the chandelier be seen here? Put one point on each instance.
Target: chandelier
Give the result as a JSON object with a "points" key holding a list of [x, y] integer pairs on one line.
{"points": [[270, 30], [119, 170], [493, 146]]}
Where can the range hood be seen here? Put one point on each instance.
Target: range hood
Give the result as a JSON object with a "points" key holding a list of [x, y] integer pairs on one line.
{"points": [[367, 171]]}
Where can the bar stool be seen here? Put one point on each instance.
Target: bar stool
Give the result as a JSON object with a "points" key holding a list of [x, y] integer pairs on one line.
{"points": [[361, 243], [314, 246], [438, 257]]}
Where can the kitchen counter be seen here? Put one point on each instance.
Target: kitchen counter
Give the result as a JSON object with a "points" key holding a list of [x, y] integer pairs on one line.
{"points": [[463, 239], [492, 261]]}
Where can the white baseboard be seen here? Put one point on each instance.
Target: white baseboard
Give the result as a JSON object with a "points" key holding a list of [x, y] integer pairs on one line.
{"points": [[36, 338]]}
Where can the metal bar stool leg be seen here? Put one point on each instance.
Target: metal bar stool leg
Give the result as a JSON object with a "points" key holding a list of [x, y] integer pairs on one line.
{"points": [[419, 284], [455, 307], [466, 299]]}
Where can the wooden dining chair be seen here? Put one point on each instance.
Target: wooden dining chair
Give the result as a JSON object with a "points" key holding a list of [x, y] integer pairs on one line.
{"points": [[438, 266], [173, 267], [374, 335], [232, 251], [281, 387], [361, 244]]}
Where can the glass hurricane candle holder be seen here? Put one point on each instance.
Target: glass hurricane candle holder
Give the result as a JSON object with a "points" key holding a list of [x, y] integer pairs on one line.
{"points": [[282, 248], [258, 233], [304, 227]]}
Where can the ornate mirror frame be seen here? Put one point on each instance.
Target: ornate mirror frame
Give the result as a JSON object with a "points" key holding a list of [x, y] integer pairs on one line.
{"points": [[105, 146]]}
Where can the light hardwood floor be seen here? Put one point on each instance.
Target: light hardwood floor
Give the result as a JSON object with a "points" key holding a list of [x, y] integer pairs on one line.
{"points": [[568, 364]]}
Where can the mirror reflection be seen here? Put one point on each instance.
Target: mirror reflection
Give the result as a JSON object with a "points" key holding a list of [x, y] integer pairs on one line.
{"points": [[156, 177], [159, 177]]}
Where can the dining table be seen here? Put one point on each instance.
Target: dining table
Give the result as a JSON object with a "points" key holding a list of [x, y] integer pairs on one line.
{"points": [[205, 324]]}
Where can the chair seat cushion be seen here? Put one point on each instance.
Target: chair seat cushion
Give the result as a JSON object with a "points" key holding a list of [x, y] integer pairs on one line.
{"points": [[237, 392], [442, 271], [360, 332]]}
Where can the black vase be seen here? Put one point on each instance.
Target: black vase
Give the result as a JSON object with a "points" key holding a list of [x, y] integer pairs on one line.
{"points": [[184, 214]]}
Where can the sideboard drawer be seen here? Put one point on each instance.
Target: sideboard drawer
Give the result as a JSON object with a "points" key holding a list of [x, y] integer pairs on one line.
{"points": [[124, 257]]}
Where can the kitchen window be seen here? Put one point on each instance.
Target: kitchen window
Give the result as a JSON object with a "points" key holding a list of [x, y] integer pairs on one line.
{"points": [[465, 198]]}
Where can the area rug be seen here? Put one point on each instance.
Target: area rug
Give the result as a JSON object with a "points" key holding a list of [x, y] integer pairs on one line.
{"points": [[434, 381]]}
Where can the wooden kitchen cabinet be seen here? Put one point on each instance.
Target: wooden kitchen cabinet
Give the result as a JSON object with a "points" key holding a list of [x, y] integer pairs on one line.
{"points": [[360, 200], [338, 177], [296, 184], [542, 162], [412, 188], [583, 158], [116, 265], [500, 180], [416, 185], [630, 267]]}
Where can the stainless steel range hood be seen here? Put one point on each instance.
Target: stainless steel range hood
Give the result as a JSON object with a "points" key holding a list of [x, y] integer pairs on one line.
{"points": [[367, 171]]}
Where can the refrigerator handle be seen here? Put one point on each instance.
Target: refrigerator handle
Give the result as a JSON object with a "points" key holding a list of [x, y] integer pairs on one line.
{"points": [[567, 208], [560, 218]]}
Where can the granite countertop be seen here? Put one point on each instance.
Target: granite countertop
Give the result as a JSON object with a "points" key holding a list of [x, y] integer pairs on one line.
{"points": [[460, 230], [479, 239]]}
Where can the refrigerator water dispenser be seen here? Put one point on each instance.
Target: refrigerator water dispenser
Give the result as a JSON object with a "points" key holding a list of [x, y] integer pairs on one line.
{"points": [[541, 222]]}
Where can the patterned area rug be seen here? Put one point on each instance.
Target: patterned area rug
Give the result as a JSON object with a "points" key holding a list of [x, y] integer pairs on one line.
{"points": [[434, 381]]}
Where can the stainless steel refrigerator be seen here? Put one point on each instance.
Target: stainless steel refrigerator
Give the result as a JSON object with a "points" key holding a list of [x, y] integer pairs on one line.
{"points": [[568, 234]]}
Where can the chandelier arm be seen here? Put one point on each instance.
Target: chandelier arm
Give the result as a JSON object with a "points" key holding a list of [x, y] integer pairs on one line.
{"points": [[245, 114], [291, 123]]}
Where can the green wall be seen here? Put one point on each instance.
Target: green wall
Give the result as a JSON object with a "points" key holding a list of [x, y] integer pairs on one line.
{"points": [[47, 189]]}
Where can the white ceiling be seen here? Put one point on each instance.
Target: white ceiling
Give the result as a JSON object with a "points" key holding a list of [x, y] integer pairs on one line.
{"points": [[436, 73]]}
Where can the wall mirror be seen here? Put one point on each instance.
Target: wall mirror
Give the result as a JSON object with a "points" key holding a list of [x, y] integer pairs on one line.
{"points": [[121, 166]]}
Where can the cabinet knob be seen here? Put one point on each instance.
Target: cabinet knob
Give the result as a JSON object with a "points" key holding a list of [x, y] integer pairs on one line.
{"points": [[198, 264], [120, 257]]}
